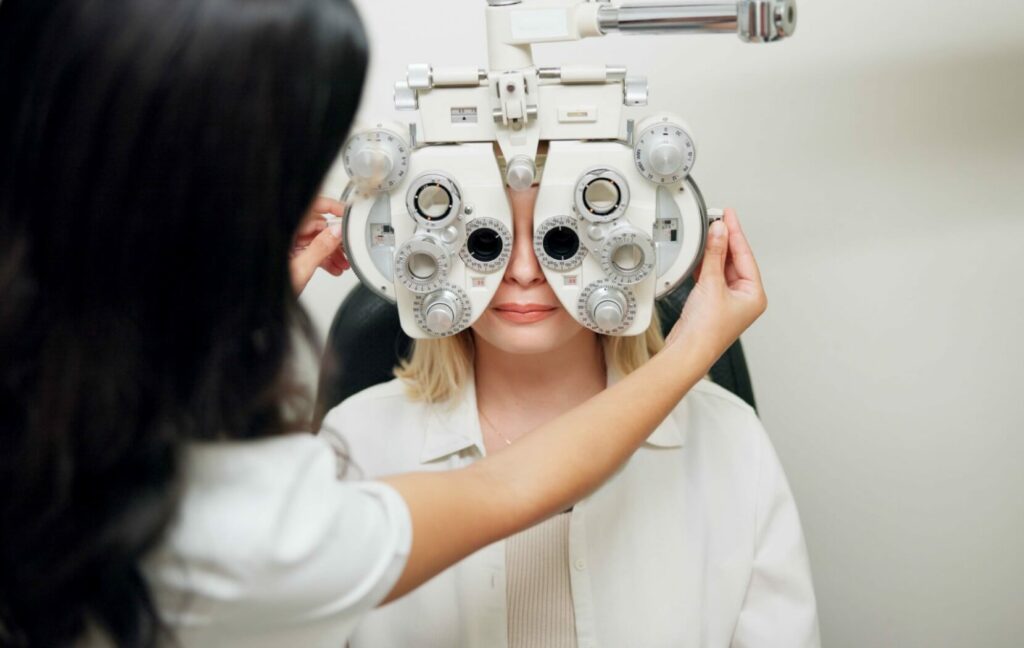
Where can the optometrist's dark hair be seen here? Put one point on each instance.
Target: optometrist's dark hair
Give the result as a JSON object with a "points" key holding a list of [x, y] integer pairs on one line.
{"points": [[156, 157]]}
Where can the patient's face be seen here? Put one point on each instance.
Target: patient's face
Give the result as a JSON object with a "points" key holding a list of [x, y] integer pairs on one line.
{"points": [[525, 316]]}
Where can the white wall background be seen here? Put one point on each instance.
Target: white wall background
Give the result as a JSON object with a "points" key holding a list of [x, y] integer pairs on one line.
{"points": [[877, 162]]}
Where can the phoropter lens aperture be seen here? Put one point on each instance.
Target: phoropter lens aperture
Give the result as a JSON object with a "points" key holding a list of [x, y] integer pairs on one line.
{"points": [[627, 258], [422, 266], [484, 244], [602, 196], [433, 202], [561, 243]]}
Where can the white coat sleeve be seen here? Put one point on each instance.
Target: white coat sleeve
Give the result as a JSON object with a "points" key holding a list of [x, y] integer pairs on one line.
{"points": [[270, 549], [779, 609]]}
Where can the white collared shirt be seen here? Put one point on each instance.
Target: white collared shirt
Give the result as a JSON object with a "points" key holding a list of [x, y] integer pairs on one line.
{"points": [[695, 542]]}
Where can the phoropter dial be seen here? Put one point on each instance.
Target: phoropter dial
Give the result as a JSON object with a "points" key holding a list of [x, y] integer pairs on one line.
{"points": [[376, 159], [488, 245], [556, 242], [445, 311], [601, 195], [627, 256], [422, 265], [606, 308], [434, 200], [664, 151]]}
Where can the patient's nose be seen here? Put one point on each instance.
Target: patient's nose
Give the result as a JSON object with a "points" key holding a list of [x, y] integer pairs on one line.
{"points": [[523, 267]]}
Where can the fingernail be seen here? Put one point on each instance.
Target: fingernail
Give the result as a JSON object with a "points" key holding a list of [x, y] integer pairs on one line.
{"points": [[717, 229], [335, 230]]}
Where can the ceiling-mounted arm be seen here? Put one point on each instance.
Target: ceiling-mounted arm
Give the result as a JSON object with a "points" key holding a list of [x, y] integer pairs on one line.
{"points": [[755, 21], [513, 26]]}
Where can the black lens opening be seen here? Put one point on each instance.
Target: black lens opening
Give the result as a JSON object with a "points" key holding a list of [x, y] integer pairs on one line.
{"points": [[561, 243], [484, 245]]}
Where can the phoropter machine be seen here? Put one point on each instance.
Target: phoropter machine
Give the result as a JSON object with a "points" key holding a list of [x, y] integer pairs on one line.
{"points": [[618, 222]]}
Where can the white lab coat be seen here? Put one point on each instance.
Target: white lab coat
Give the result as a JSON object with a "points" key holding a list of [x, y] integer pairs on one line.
{"points": [[696, 542], [269, 549]]}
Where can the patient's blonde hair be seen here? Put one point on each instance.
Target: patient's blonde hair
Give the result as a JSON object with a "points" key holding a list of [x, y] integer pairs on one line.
{"points": [[439, 368]]}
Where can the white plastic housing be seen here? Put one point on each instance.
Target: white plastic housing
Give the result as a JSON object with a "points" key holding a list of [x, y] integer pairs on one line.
{"points": [[674, 217], [371, 215], [564, 112]]}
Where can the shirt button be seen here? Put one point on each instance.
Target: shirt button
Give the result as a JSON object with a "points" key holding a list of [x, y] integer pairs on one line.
{"points": [[580, 564]]}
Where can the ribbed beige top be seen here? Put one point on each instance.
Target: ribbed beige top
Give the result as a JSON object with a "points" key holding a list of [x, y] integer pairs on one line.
{"points": [[540, 611]]}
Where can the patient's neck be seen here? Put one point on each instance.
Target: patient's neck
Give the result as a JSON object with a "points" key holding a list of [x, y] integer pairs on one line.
{"points": [[518, 392]]}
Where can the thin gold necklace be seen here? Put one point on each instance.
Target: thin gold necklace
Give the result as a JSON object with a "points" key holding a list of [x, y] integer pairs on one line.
{"points": [[493, 427]]}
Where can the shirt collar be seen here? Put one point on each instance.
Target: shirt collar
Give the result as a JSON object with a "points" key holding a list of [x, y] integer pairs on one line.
{"points": [[455, 426]]}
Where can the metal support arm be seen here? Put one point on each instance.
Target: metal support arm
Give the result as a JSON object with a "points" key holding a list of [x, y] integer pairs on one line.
{"points": [[755, 21]]}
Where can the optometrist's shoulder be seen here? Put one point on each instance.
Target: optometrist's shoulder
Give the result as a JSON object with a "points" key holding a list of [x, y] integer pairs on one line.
{"points": [[544, 472]]}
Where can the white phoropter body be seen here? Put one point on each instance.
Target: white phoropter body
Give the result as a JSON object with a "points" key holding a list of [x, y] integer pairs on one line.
{"points": [[618, 222]]}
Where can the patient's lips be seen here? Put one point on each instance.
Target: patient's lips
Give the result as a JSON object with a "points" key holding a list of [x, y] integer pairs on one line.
{"points": [[524, 313]]}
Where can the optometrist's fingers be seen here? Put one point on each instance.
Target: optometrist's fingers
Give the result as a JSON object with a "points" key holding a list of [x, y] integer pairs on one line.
{"points": [[325, 205], [331, 267], [727, 297], [743, 264], [336, 263], [339, 259], [716, 249], [307, 260], [313, 222]]}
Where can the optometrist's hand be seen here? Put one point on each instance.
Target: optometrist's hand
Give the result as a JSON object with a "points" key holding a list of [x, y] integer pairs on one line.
{"points": [[317, 245], [728, 295]]}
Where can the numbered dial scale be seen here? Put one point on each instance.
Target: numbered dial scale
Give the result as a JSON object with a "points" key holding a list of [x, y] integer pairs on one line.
{"points": [[663, 151], [376, 159], [422, 265], [606, 307], [443, 312], [627, 256]]}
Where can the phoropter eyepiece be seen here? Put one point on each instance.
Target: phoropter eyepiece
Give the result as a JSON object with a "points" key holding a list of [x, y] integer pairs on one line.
{"points": [[488, 245], [484, 245], [556, 242], [561, 243]]}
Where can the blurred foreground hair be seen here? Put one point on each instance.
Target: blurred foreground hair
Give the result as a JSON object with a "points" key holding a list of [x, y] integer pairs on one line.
{"points": [[156, 157]]}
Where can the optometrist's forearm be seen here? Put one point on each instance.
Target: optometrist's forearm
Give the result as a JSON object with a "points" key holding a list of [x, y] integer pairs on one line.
{"points": [[456, 513]]}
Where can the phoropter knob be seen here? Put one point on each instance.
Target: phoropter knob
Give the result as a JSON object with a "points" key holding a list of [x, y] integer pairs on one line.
{"points": [[664, 151], [608, 314], [440, 316], [371, 162], [666, 158], [607, 306], [376, 159], [442, 311], [521, 173]]}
